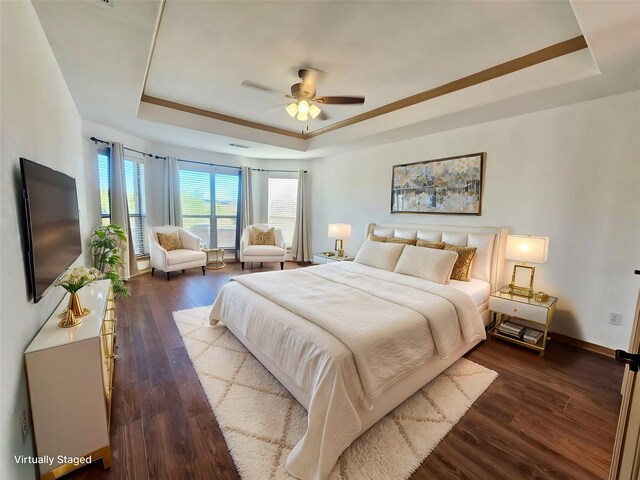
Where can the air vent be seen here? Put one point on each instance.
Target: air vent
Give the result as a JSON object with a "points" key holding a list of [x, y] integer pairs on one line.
{"points": [[108, 3], [237, 145]]}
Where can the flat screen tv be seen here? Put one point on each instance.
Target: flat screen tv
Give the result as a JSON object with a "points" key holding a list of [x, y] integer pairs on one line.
{"points": [[52, 224]]}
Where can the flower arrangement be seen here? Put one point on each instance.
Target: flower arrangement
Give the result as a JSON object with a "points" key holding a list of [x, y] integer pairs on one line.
{"points": [[72, 282], [79, 277]]}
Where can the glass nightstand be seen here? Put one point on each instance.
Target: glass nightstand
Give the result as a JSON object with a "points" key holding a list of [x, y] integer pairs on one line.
{"points": [[535, 316]]}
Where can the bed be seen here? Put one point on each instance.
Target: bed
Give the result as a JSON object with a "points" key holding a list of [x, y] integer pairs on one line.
{"points": [[401, 332]]}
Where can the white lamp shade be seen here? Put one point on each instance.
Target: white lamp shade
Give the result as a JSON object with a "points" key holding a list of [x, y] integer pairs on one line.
{"points": [[525, 248], [339, 230]]}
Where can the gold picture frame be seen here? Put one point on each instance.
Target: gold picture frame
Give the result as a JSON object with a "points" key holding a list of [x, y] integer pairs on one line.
{"points": [[522, 280]]}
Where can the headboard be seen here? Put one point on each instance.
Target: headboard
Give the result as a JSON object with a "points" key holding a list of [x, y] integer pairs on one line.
{"points": [[490, 241]]}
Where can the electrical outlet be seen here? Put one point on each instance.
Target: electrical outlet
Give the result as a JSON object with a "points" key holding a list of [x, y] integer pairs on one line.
{"points": [[615, 319], [25, 425]]}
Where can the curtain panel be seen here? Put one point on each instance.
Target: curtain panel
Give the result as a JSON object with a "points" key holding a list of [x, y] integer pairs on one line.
{"points": [[172, 208], [301, 245], [120, 207]]}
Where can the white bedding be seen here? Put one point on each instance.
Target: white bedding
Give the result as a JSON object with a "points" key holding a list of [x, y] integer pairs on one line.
{"points": [[478, 290], [314, 330]]}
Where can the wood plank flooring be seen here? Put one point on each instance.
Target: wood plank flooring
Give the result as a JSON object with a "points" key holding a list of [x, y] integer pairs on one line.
{"points": [[551, 417]]}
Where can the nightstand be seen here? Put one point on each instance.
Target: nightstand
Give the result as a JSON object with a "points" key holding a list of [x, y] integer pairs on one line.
{"points": [[523, 311], [323, 258]]}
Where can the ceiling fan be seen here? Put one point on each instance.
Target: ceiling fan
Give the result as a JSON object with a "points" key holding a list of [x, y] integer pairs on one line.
{"points": [[304, 96]]}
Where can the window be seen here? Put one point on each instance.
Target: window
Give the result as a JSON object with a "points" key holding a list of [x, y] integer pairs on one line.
{"points": [[283, 196], [209, 202], [105, 181], [134, 184], [134, 180]]}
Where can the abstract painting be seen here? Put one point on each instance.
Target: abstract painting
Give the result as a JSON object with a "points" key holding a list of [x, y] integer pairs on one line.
{"points": [[447, 185]]}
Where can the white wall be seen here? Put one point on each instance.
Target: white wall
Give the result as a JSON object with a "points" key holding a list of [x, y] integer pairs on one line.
{"points": [[40, 122], [570, 173]]}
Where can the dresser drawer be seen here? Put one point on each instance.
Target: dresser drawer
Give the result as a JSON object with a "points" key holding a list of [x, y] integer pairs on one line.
{"points": [[517, 309]]}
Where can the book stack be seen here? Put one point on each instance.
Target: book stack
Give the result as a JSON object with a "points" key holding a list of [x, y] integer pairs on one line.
{"points": [[512, 330], [532, 336]]}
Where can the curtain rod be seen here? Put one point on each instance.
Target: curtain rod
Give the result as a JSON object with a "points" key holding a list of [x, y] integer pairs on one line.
{"points": [[96, 140], [279, 171], [201, 163]]}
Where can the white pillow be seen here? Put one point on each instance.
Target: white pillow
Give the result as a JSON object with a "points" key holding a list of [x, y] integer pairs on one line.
{"points": [[428, 263], [379, 255]]}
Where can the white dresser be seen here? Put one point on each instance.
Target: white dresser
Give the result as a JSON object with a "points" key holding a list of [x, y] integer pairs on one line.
{"points": [[70, 373]]}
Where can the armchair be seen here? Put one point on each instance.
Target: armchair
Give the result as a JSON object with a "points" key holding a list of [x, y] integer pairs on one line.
{"points": [[262, 253], [188, 256]]}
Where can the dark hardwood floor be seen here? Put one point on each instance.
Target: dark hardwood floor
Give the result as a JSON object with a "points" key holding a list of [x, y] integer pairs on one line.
{"points": [[551, 417]]}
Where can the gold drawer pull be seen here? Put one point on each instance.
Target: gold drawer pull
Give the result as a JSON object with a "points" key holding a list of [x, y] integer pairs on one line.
{"points": [[515, 309]]}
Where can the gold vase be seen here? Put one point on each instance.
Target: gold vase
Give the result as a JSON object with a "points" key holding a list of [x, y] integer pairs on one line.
{"points": [[72, 316]]}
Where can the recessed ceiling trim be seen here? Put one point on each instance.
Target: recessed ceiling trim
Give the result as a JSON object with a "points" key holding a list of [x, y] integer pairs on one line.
{"points": [[218, 116], [549, 53]]}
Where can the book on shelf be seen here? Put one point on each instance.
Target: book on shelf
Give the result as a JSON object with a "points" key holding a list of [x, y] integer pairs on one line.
{"points": [[512, 330], [532, 336]]}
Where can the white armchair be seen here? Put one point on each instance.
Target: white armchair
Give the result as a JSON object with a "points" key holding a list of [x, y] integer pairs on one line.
{"points": [[262, 253], [188, 256]]}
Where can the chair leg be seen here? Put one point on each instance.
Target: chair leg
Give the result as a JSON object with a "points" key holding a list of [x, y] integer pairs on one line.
{"points": [[153, 270], [281, 265], [168, 276], [204, 270], [242, 265]]}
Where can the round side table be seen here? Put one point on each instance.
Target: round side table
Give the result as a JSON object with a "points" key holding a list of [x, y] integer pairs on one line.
{"points": [[215, 258]]}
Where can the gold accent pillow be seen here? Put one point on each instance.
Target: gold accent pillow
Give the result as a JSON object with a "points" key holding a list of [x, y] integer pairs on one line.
{"points": [[403, 241], [263, 237], [462, 268], [428, 244], [375, 238], [170, 241]]}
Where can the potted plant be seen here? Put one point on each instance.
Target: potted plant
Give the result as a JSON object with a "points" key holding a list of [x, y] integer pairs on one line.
{"points": [[106, 244]]}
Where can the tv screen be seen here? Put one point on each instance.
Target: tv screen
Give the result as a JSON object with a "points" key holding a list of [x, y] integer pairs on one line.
{"points": [[52, 223]]}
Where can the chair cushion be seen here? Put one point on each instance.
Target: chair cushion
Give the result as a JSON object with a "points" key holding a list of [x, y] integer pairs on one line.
{"points": [[182, 255], [263, 250], [169, 241]]}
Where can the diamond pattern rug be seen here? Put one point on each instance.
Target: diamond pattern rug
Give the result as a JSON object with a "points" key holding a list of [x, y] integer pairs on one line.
{"points": [[261, 421]]}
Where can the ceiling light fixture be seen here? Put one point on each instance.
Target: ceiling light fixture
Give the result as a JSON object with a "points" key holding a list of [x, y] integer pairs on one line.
{"points": [[302, 110]]}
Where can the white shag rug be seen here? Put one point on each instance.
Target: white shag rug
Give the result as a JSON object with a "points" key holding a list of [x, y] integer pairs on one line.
{"points": [[261, 421]]}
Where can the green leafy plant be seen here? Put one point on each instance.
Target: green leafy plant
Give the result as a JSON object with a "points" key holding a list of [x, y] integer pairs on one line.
{"points": [[106, 245]]}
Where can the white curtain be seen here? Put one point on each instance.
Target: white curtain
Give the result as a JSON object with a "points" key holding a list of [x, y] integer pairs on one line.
{"points": [[301, 245], [246, 198], [172, 209], [120, 207]]}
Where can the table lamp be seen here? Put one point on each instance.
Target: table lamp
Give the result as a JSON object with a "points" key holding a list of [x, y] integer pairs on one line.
{"points": [[525, 248], [339, 231]]}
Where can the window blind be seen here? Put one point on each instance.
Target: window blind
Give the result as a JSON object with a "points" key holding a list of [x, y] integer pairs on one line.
{"points": [[209, 201], [282, 199], [134, 179], [104, 182]]}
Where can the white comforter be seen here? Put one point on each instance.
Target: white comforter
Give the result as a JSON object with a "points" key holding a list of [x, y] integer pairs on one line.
{"points": [[361, 329]]}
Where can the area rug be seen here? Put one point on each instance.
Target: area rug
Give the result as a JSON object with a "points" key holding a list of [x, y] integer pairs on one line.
{"points": [[261, 421]]}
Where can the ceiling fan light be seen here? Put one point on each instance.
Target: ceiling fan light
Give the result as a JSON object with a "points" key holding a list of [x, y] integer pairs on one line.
{"points": [[292, 109], [314, 111], [303, 117], [303, 107]]}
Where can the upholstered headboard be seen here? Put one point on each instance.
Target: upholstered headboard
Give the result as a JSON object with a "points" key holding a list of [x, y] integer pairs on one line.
{"points": [[490, 242]]}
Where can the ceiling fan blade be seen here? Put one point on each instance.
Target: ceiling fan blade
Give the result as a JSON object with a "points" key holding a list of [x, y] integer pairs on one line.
{"points": [[339, 100], [323, 116], [264, 88]]}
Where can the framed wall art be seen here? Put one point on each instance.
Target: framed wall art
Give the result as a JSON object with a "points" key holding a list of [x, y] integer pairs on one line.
{"points": [[450, 185]]}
